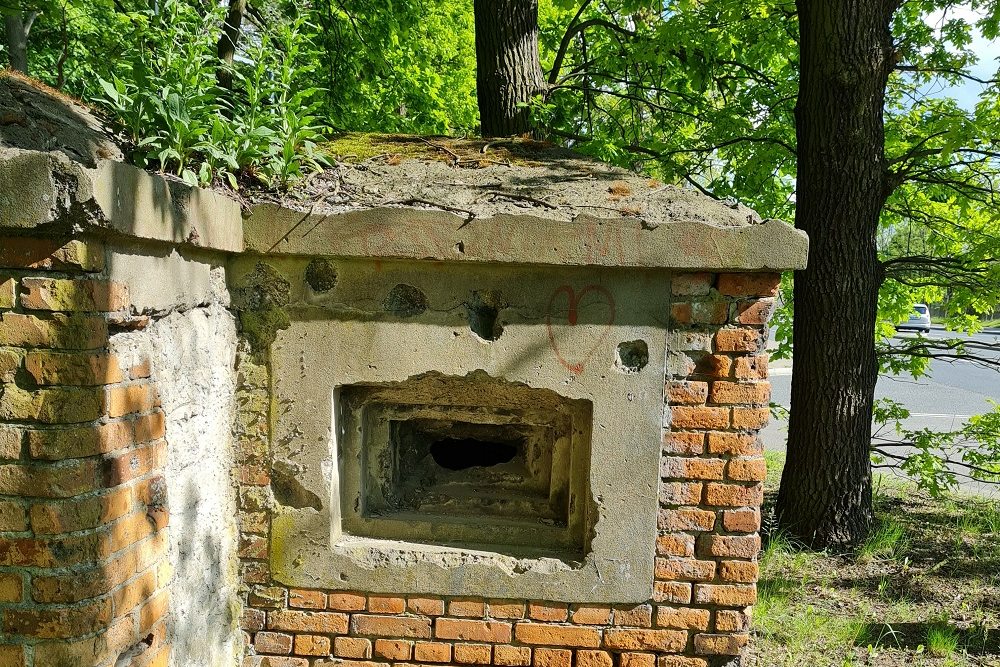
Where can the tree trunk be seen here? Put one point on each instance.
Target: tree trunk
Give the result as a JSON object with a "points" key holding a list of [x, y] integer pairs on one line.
{"points": [[846, 55], [228, 41], [508, 72], [16, 41]]}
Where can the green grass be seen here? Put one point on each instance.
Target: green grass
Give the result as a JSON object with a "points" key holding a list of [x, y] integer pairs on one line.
{"points": [[887, 540], [942, 640]]}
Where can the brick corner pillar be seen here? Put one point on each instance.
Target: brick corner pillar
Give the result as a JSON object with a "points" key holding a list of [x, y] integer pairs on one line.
{"points": [[83, 522]]}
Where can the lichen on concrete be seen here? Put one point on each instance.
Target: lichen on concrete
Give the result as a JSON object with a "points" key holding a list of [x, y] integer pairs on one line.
{"points": [[260, 301]]}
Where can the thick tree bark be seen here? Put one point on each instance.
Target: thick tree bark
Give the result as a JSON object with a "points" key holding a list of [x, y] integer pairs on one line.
{"points": [[508, 72], [228, 41], [16, 41], [846, 56]]}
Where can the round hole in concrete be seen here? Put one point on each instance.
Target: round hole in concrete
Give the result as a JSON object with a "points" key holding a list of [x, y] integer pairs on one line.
{"points": [[321, 275], [465, 453], [405, 301], [483, 310], [633, 355]]}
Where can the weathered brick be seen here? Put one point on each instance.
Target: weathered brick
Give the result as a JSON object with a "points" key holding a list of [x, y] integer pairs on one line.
{"points": [[13, 516], [750, 419], [276, 643], [678, 467], [506, 609], [731, 620], [23, 252], [682, 618], [557, 635], [132, 399], [741, 520], [551, 657], [586, 614], [432, 652], [725, 595], [149, 427], [57, 622], [11, 438], [748, 284], [506, 655], [352, 647], [675, 545], [637, 660], [672, 592], [311, 645], [299, 598], [390, 626], [713, 366], [346, 601], [729, 546], [472, 654], [467, 607], [688, 417], [11, 587], [680, 493], [690, 341], [679, 661], [269, 597], [684, 569], [733, 444], [69, 332], [684, 442], [751, 368], [386, 604], [633, 616], [755, 312], [425, 606], [685, 519], [80, 441], [743, 339], [393, 649], [135, 463], [548, 611], [745, 393], [727, 644], [700, 312], [8, 291], [254, 572], [254, 547], [10, 363], [734, 495], [472, 630], [594, 659], [747, 470], [317, 622], [684, 392], [691, 284], [285, 661], [59, 405], [49, 481], [72, 368], [252, 620], [80, 513], [738, 571], [668, 641], [73, 295]]}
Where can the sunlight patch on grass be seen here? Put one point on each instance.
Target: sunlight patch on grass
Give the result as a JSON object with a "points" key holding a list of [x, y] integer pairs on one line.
{"points": [[887, 541], [942, 640]]}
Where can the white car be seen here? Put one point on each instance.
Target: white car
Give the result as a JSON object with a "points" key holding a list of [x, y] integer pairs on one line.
{"points": [[920, 319]]}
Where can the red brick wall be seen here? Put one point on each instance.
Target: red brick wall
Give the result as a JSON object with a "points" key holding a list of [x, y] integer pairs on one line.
{"points": [[83, 519], [706, 567]]}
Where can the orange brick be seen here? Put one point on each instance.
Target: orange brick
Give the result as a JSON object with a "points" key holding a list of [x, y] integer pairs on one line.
{"points": [[346, 601], [276, 643], [740, 393], [284, 661], [725, 595], [684, 442], [679, 661], [638, 616], [751, 368], [303, 599], [432, 652], [741, 521], [672, 592], [252, 620], [78, 442], [637, 660], [687, 392], [714, 366], [473, 654], [73, 295], [557, 635], [670, 569], [681, 313], [136, 398], [667, 641], [511, 656], [315, 622], [57, 622], [72, 368], [23, 252], [743, 339], [68, 332], [11, 587], [132, 594], [386, 604], [393, 649], [467, 629], [728, 644], [729, 546], [135, 463], [730, 620], [688, 417], [391, 626], [685, 519], [748, 284], [750, 418], [312, 645], [734, 495], [507, 609], [675, 545], [755, 312], [733, 444], [352, 647], [549, 657], [747, 470], [682, 618], [80, 513], [548, 611], [425, 606], [11, 655], [468, 607], [149, 427], [739, 571], [594, 659], [679, 467], [585, 614]]}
